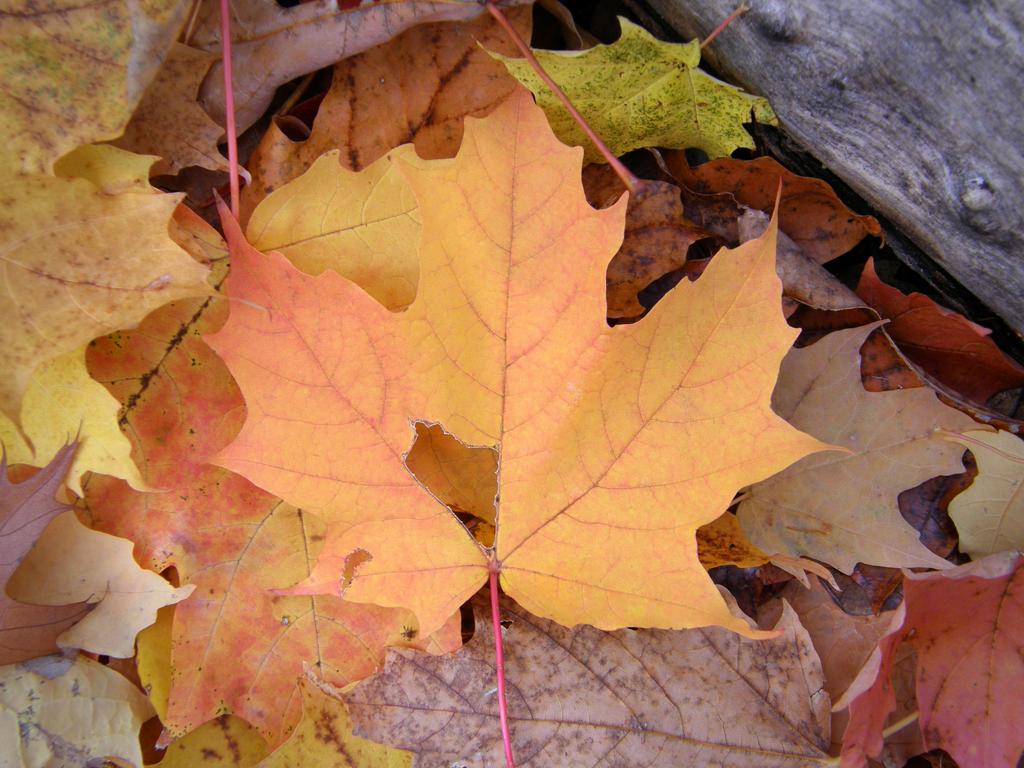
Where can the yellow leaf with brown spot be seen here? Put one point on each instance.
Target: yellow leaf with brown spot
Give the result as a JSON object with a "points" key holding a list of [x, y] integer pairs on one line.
{"points": [[77, 263], [226, 742], [56, 711], [616, 444], [73, 72], [324, 737]]}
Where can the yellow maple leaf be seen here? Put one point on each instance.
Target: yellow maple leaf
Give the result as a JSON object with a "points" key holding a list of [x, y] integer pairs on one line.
{"points": [[642, 92], [77, 262], [615, 443]]}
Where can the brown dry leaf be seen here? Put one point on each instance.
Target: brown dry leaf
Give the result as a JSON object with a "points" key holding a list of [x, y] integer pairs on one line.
{"points": [[721, 542], [57, 712], [656, 241], [582, 697], [276, 44], [71, 563], [416, 88], [169, 121], [465, 477], [26, 508], [810, 213], [365, 226], [803, 278], [843, 508], [844, 643]]}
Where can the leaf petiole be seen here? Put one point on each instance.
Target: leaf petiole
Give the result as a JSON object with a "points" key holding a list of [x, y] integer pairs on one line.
{"points": [[499, 663]]}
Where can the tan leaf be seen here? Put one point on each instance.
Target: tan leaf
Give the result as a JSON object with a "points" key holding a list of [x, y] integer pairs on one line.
{"points": [[989, 515], [843, 508], [169, 121], [71, 563], [277, 44], [582, 697]]}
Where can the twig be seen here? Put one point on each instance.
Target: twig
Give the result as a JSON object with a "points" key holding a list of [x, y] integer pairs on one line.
{"points": [[499, 662], [229, 105], [295, 95], [740, 10], [632, 182]]}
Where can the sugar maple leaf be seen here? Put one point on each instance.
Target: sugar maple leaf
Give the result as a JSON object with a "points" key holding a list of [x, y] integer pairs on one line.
{"points": [[59, 711], [26, 508], [843, 509], [274, 44], [583, 697], [946, 345], [616, 444], [967, 626], [73, 73], [415, 88], [79, 262], [236, 644], [989, 515], [642, 92]]}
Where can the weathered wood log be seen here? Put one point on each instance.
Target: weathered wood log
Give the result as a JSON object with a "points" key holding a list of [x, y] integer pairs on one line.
{"points": [[915, 104]]}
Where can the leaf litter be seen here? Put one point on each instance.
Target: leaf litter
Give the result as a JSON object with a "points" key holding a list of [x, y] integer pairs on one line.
{"points": [[481, 440]]}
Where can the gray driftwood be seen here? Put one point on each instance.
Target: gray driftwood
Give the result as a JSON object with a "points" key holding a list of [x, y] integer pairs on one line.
{"points": [[918, 105]]}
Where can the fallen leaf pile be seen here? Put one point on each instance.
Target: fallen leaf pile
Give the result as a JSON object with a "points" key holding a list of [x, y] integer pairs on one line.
{"points": [[260, 476]]}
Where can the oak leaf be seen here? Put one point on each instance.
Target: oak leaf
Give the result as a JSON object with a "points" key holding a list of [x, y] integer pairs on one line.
{"points": [[70, 564], [616, 444], [967, 626], [843, 508], [809, 212], [63, 403], [56, 711], [79, 263], [416, 88], [642, 92], [581, 697], [73, 73], [274, 44], [365, 226], [238, 646], [169, 122], [946, 345], [989, 515], [26, 508]]}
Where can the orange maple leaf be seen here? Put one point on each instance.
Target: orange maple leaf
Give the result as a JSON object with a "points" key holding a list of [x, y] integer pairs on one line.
{"points": [[616, 443]]}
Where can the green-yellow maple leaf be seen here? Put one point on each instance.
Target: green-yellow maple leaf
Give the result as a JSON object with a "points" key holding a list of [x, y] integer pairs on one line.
{"points": [[642, 92]]}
